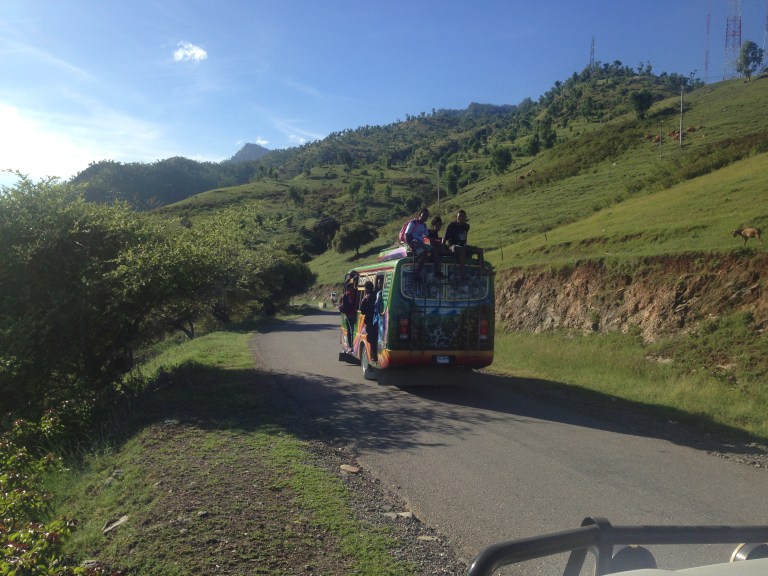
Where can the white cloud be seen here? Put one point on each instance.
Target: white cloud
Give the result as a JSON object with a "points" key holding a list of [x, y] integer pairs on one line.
{"points": [[188, 51], [261, 141]]}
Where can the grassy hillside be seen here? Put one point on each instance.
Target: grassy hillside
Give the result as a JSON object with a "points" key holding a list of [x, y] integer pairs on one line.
{"points": [[622, 195], [598, 186]]}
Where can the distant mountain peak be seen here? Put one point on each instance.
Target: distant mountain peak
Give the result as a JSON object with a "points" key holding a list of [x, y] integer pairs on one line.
{"points": [[248, 153]]}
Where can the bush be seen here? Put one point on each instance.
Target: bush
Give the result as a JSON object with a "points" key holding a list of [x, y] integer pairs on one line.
{"points": [[83, 285], [30, 542]]}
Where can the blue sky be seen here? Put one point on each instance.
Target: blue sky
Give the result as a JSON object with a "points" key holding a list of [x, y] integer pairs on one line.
{"points": [[142, 80]]}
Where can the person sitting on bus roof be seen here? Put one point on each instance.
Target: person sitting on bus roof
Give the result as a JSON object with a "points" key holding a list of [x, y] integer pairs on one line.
{"points": [[435, 242], [415, 233], [456, 241]]}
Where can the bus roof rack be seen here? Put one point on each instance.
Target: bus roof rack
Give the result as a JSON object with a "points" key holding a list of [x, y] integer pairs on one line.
{"points": [[394, 253]]}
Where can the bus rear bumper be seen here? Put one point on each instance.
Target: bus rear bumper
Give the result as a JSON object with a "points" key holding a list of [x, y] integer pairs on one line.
{"points": [[439, 358]]}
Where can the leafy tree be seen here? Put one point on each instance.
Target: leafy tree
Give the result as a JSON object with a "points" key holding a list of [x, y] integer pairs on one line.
{"points": [[534, 145], [296, 196], [63, 319], [354, 189], [83, 285], [369, 187], [452, 177], [750, 58], [312, 242], [501, 159], [547, 133], [245, 272], [353, 236], [641, 102], [413, 203]]}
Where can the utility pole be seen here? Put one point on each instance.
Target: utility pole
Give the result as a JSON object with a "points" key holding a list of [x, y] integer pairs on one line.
{"points": [[706, 54], [661, 136], [438, 184], [681, 114]]}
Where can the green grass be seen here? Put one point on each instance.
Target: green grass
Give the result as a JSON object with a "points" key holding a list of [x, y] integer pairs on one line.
{"points": [[672, 377], [212, 435], [608, 192], [696, 216]]}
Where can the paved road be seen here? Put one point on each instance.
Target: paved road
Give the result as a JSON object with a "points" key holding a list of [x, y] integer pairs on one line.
{"points": [[486, 462]]}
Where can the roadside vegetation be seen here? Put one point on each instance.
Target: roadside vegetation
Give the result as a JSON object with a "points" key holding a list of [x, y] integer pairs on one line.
{"points": [[215, 478], [686, 379], [85, 290], [126, 296]]}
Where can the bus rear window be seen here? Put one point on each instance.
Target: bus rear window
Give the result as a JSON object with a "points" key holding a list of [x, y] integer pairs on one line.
{"points": [[453, 289]]}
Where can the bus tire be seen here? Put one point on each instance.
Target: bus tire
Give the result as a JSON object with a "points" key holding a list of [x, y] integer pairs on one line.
{"points": [[369, 372]]}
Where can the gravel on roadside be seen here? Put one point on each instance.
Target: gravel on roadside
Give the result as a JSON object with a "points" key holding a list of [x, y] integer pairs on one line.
{"points": [[418, 544]]}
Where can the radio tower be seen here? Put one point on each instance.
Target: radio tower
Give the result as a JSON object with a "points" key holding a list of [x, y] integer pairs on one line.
{"points": [[765, 33], [706, 54], [732, 40]]}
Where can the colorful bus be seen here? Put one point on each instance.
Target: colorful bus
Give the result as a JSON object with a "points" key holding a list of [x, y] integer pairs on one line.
{"points": [[433, 323]]}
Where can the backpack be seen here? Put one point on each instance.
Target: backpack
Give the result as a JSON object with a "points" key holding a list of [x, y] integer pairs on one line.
{"points": [[401, 237], [347, 306]]}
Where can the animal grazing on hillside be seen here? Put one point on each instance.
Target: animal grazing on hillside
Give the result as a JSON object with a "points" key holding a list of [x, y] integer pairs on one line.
{"points": [[748, 233]]}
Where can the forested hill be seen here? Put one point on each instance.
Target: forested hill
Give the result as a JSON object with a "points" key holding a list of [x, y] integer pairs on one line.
{"points": [[427, 139]]}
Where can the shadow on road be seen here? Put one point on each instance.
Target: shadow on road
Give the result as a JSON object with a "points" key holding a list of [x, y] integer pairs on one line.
{"points": [[568, 404], [369, 416], [391, 418], [398, 417]]}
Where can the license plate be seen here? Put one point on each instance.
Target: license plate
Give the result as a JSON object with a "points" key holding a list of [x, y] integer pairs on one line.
{"points": [[443, 359]]}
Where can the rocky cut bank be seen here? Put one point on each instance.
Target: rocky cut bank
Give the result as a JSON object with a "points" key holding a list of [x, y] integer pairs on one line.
{"points": [[661, 296]]}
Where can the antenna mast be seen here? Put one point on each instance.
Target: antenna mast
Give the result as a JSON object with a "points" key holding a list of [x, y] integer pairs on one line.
{"points": [[732, 40], [706, 54], [765, 33]]}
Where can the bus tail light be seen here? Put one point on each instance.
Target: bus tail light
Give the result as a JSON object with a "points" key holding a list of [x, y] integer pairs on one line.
{"points": [[403, 329], [483, 330]]}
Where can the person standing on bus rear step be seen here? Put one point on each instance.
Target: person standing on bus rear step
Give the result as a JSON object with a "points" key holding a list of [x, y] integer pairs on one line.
{"points": [[368, 309], [415, 233], [348, 307], [378, 308], [456, 241]]}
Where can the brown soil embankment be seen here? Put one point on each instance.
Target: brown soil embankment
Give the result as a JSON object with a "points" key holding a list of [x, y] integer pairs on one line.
{"points": [[661, 296]]}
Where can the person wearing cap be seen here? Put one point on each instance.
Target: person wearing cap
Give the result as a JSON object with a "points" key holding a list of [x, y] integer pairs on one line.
{"points": [[456, 241]]}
